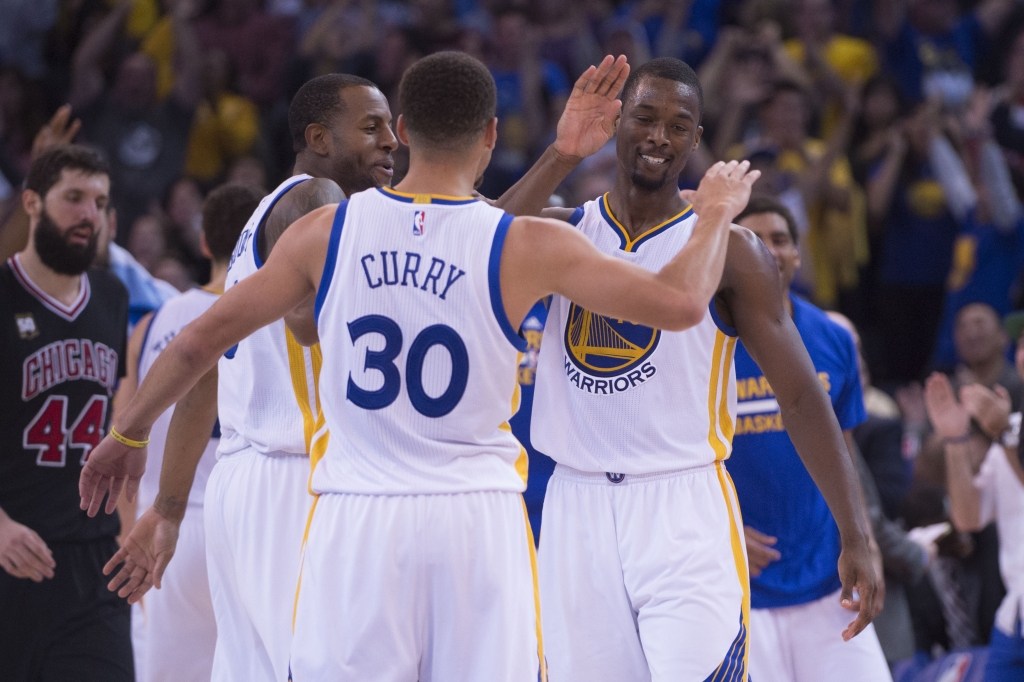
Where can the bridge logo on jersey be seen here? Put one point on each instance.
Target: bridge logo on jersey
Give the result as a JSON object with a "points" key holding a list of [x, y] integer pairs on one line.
{"points": [[418, 220], [606, 356]]}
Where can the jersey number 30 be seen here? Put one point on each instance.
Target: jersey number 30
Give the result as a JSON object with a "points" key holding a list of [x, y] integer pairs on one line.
{"points": [[48, 433], [384, 362]]}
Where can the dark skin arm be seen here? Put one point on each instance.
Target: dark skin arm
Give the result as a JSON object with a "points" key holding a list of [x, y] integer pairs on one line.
{"points": [[297, 202], [751, 300]]}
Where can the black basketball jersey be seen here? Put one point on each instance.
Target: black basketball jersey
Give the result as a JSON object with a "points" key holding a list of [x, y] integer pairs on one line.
{"points": [[59, 367]]}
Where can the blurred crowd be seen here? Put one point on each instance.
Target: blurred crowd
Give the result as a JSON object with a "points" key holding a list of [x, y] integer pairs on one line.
{"points": [[892, 129]]}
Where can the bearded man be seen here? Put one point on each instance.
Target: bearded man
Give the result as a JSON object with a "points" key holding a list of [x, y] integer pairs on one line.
{"points": [[62, 347]]}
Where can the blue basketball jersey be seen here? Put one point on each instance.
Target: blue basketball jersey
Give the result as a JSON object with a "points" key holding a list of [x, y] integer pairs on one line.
{"points": [[777, 496]]}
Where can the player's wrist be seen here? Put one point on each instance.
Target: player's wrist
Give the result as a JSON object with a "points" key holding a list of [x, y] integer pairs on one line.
{"points": [[562, 157], [170, 508]]}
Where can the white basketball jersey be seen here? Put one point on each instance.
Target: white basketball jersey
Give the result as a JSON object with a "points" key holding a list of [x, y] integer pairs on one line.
{"points": [[617, 397], [166, 323], [266, 395], [419, 359]]}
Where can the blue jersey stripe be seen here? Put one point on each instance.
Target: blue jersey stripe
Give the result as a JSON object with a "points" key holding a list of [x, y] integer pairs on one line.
{"points": [[332, 259], [719, 322], [145, 338], [256, 233], [494, 284]]}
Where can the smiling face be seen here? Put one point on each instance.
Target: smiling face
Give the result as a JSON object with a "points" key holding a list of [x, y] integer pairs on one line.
{"points": [[362, 140], [659, 128]]}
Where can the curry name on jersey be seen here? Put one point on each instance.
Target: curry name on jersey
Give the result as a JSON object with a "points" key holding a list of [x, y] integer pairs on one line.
{"points": [[419, 358], [59, 368], [613, 396]]}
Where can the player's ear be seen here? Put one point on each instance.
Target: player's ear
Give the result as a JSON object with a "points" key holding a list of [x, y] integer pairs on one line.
{"points": [[491, 133], [318, 139], [32, 203], [204, 248], [112, 222], [401, 132], [697, 135]]}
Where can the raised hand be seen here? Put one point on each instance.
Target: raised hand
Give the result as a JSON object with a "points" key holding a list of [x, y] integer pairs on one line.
{"points": [[725, 185], [990, 408], [23, 554], [60, 129], [948, 417], [145, 554], [592, 111], [111, 467]]}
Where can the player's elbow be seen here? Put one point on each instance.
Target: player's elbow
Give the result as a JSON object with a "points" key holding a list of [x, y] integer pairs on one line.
{"points": [[683, 312]]}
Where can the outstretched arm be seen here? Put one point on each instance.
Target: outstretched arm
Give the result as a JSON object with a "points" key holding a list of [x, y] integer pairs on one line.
{"points": [[542, 257], [753, 303], [290, 275], [148, 548], [588, 122]]}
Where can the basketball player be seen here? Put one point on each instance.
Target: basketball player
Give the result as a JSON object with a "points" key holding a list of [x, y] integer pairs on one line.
{"points": [[642, 565], [61, 354], [418, 559], [265, 394], [179, 617], [792, 540]]}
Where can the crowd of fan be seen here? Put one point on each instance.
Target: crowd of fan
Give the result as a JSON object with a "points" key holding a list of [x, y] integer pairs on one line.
{"points": [[892, 129]]}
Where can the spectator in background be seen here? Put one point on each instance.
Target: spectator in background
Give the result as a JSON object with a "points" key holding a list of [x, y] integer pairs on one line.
{"points": [[529, 91], [833, 61], [22, 114], [248, 170], [908, 208], [932, 50], [981, 345], [144, 138], [343, 39], [836, 238], [986, 483], [225, 126], [22, 35], [1008, 113], [147, 242], [184, 211], [257, 45]]}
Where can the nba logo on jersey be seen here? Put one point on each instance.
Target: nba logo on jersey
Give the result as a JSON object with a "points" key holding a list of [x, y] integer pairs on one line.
{"points": [[417, 223]]}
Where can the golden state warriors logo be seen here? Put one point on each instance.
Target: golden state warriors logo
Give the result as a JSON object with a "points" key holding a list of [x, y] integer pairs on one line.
{"points": [[610, 356]]}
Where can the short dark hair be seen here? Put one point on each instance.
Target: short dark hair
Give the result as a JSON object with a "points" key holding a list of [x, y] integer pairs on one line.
{"points": [[319, 101], [46, 170], [665, 67], [760, 204], [225, 212], [447, 99]]}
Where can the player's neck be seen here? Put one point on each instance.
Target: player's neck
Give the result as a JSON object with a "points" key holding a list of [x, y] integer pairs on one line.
{"points": [[787, 302], [64, 288], [448, 176], [639, 210], [218, 276]]}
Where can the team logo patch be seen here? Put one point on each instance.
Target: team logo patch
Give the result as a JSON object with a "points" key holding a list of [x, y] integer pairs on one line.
{"points": [[610, 355], [27, 328], [418, 221]]}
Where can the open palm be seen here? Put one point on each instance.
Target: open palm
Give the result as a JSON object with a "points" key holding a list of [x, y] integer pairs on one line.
{"points": [[592, 111]]}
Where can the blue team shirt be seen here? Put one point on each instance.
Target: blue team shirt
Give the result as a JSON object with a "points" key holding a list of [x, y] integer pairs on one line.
{"points": [[777, 496]]}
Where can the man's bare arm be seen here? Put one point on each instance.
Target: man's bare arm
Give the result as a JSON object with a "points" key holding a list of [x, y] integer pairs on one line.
{"points": [[297, 202], [542, 257], [290, 275], [587, 123], [752, 300], [128, 509]]}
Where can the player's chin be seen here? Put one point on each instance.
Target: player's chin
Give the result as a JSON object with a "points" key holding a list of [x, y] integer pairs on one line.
{"points": [[383, 175]]}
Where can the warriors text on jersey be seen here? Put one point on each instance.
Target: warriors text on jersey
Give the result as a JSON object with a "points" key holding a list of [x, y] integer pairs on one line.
{"points": [[59, 366], [267, 387], [613, 396], [420, 359]]}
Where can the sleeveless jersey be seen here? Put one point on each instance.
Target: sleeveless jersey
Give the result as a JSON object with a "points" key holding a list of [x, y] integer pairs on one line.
{"points": [[420, 361], [266, 395], [166, 323], [59, 366], [612, 396]]}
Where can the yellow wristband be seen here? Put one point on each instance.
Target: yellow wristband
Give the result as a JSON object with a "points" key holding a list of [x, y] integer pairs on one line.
{"points": [[127, 441]]}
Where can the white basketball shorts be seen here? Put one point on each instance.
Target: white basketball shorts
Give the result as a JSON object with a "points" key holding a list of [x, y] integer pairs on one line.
{"points": [[804, 643], [434, 588], [644, 578], [255, 508], [175, 631]]}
